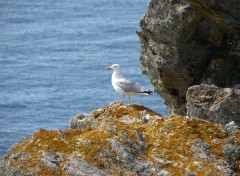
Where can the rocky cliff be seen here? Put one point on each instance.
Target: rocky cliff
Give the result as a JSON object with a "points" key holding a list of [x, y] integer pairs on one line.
{"points": [[215, 104], [128, 140], [190, 42], [183, 43]]}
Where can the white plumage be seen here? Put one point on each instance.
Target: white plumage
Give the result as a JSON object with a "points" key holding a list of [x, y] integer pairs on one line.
{"points": [[124, 86]]}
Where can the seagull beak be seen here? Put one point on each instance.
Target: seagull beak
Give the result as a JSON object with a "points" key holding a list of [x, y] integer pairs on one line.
{"points": [[108, 68]]}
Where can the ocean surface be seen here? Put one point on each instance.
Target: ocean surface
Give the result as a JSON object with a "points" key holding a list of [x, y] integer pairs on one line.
{"points": [[53, 56]]}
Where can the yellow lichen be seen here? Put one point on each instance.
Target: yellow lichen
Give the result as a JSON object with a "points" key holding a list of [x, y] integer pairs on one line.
{"points": [[168, 143]]}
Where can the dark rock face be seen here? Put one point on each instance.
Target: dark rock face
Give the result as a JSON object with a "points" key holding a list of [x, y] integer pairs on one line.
{"points": [[218, 105], [189, 42], [230, 7]]}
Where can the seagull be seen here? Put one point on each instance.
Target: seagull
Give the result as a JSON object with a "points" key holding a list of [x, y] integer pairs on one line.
{"points": [[124, 86]]}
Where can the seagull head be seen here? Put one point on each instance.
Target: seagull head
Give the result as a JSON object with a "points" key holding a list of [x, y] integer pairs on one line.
{"points": [[114, 67]]}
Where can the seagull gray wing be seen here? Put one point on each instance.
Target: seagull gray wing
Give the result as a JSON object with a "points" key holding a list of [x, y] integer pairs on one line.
{"points": [[129, 86]]}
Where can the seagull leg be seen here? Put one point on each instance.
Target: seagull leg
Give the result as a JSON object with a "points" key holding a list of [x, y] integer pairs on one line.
{"points": [[122, 99], [129, 99]]}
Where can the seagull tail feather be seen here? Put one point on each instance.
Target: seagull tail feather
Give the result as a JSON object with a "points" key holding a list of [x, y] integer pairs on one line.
{"points": [[147, 92]]}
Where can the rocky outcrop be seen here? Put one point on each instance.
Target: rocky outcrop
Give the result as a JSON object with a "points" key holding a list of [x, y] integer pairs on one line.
{"points": [[128, 140], [218, 105], [190, 42], [182, 43], [230, 7]]}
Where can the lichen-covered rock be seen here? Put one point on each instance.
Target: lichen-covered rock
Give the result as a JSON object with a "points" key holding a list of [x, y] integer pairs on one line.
{"points": [[114, 110], [127, 140], [218, 105], [190, 42], [231, 128]]}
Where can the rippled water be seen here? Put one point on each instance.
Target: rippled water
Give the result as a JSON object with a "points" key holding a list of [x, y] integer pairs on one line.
{"points": [[53, 56]]}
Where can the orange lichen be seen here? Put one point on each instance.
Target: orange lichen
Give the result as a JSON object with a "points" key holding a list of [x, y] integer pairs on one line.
{"points": [[236, 141], [130, 111], [168, 143], [174, 134]]}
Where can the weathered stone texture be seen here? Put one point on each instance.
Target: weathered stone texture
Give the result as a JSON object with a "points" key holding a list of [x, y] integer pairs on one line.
{"points": [[218, 105], [230, 7], [189, 42], [128, 140]]}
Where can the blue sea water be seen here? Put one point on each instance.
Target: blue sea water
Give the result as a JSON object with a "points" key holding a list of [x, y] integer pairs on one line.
{"points": [[53, 56]]}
